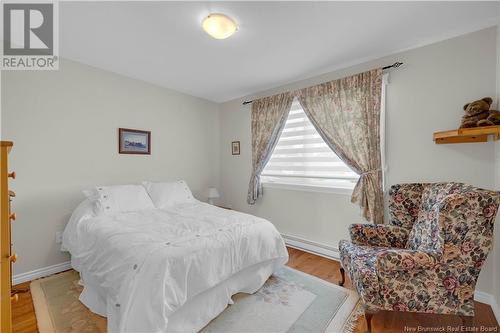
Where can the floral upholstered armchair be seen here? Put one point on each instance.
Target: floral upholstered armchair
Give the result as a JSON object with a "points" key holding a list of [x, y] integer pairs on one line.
{"points": [[429, 257]]}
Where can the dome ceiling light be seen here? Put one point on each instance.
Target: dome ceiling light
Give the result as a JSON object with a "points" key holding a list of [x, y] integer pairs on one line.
{"points": [[219, 26]]}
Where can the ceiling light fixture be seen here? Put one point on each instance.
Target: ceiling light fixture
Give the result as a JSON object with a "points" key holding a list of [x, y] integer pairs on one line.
{"points": [[219, 26]]}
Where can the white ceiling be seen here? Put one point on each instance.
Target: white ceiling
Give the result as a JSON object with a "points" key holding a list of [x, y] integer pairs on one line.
{"points": [[277, 42]]}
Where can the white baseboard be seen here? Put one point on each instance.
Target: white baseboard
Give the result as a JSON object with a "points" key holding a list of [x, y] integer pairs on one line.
{"points": [[40, 272], [331, 252], [305, 245], [481, 296], [496, 309]]}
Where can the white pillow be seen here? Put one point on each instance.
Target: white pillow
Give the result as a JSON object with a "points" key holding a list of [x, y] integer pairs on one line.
{"points": [[119, 199], [169, 194], [93, 197]]}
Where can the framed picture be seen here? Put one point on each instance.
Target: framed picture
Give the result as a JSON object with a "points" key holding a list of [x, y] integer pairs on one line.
{"points": [[131, 141], [235, 147]]}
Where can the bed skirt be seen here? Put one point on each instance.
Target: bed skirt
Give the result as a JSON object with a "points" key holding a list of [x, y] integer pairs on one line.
{"points": [[197, 312]]}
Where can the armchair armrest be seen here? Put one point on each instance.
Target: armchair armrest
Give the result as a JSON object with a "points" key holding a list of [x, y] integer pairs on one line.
{"points": [[378, 235], [405, 260]]}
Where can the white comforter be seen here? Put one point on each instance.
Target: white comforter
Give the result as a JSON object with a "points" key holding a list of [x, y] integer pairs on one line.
{"points": [[149, 263]]}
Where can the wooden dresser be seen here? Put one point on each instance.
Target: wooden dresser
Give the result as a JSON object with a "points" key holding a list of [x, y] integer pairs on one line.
{"points": [[7, 257]]}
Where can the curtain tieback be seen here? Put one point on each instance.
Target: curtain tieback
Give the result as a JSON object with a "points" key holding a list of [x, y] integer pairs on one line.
{"points": [[370, 172]]}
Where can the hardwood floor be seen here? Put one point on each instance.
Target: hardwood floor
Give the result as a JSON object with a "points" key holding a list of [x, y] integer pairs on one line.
{"points": [[23, 312], [24, 320]]}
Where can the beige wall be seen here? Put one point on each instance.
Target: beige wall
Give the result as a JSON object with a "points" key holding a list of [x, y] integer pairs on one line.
{"points": [[496, 276], [64, 125], [424, 95]]}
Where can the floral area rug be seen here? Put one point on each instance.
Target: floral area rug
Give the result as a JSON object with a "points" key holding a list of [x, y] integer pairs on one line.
{"points": [[289, 301]]}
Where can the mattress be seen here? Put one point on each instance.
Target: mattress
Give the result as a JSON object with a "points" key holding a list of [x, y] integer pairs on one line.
{"points": [[157, 270]]}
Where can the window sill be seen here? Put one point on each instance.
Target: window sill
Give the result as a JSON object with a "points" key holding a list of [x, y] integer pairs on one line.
{"points": [[309, 188]]}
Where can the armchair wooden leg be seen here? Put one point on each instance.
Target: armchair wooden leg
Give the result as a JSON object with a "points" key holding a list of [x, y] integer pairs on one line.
{"points": [[342, 274], [368, 318]]}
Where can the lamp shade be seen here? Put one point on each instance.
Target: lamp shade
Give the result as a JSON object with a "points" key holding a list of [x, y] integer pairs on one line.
{"points": [[212, 193]]}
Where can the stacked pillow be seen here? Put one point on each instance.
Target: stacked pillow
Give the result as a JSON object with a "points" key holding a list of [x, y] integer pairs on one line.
{"points": [[168, 194], [110, 200]]}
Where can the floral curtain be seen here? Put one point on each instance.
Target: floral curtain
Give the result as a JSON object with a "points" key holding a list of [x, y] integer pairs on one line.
{"points": [[269, 115], [346, 113]]}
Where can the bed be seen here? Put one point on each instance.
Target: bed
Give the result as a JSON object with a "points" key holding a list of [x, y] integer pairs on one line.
{"points": [[167, 268]]}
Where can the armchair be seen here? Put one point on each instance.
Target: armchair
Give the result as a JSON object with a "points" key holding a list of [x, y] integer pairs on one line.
{"points": [[429, 256]]}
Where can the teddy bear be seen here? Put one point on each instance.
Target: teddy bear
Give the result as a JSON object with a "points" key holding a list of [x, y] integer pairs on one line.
{"points": [[478, 113], [493, 119]]}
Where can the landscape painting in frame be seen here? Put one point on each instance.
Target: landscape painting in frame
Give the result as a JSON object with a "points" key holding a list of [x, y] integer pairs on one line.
{"points": [[131, 141]]}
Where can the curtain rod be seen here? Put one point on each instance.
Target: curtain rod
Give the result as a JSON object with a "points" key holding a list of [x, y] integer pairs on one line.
{"points": [[394, 65]]}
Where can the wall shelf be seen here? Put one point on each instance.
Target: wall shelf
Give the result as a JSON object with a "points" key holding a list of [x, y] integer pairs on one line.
{"points": [[465, 135]]}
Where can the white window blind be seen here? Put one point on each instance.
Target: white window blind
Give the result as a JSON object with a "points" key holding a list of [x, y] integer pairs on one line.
{"points": [[302, 157]]}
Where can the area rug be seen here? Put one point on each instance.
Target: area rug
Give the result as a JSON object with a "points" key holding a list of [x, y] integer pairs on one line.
{"points": [[289, 301]]}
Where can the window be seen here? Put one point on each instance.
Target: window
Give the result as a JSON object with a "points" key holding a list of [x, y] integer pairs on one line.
{"points": [[302, 158]]}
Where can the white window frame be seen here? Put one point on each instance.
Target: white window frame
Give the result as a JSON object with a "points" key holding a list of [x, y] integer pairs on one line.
{"points": [[308, 188], [342, 190]]}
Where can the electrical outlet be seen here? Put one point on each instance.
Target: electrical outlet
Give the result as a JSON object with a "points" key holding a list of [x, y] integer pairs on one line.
{"points": [[58, 237]]}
